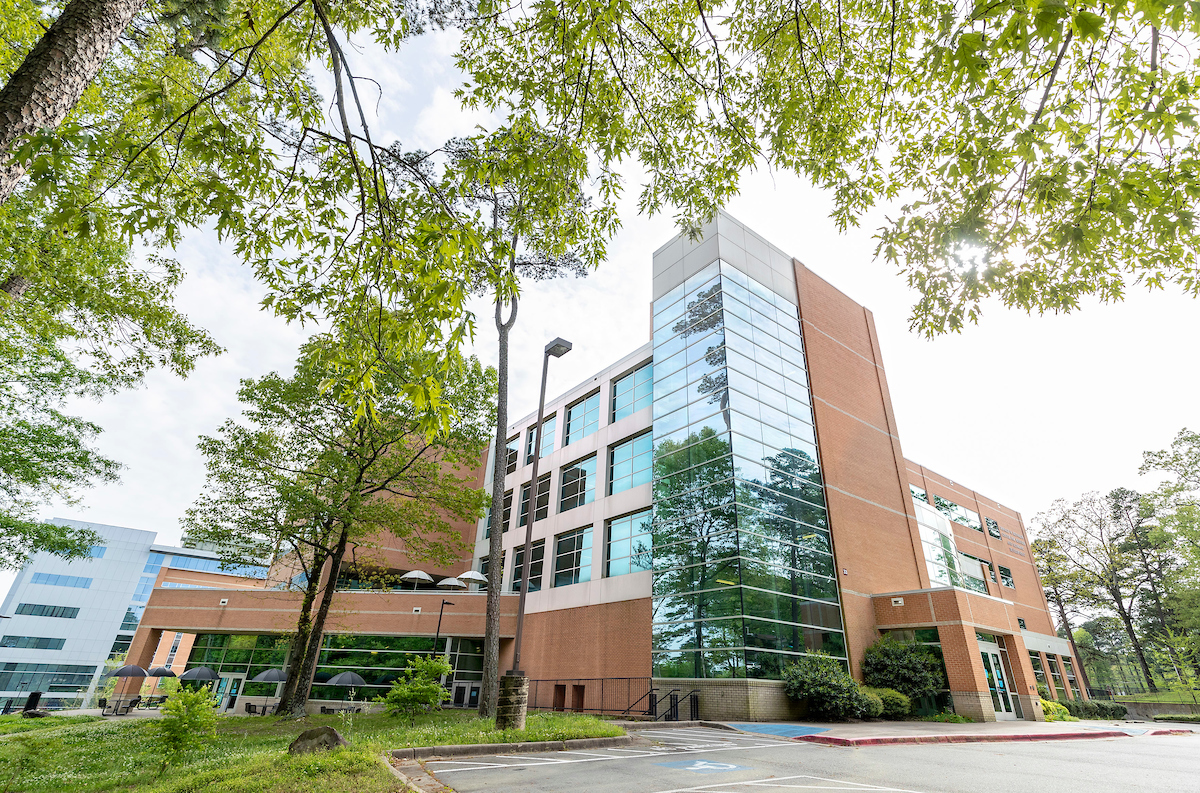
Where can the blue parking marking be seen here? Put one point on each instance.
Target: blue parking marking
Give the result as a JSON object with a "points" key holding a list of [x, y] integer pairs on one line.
{"points": [[701, 766], [782, 730]]}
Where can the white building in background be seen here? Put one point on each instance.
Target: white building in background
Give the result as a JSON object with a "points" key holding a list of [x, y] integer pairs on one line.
{"points": [[66, 618]]}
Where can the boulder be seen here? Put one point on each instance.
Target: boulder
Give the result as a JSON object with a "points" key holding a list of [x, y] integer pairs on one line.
{"points": [[34, 714], [318, 739]]}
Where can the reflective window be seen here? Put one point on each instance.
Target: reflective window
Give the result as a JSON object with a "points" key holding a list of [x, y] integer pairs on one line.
{"points": [[53, 579], [1039, 673], [918, 493], [543, 500], [957, 513], [97, 551], [633, 392], [484, 566], [582, 419], [153, 562], [145, 586], [1056, 676], [513, 451], [537, 552], [1069, 670], [1021, 623], [573, 557], [39, 610], [505, 519], [993, 528], [629, 544], [631, 463], [32, 642], [1006, 577], [578, 484], [549, 427]]}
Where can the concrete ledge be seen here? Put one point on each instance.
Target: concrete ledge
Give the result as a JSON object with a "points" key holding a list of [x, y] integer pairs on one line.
{"points": [[475, 749], [885, 740], [658, 725]]}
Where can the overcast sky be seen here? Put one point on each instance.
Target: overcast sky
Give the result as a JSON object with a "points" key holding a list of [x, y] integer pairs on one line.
{"points": [[1024, 409]]}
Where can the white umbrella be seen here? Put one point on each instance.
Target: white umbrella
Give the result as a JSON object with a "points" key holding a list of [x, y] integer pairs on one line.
{"points": [[451, 583], [471, 575], [417, 575]]}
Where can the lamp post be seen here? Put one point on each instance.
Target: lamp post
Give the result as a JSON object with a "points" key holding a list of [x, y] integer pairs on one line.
{"points": [[438, 635], [514, 686]]}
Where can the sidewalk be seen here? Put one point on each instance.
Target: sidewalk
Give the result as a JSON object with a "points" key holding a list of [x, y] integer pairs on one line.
{"points": [[877, 733]]}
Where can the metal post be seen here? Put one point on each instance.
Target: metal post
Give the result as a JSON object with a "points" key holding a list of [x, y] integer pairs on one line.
{"points": [[438, 635]]}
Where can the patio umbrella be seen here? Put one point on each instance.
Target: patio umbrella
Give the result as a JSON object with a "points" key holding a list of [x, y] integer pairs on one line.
{"points": [[161, 671], [346, 679], [471, 575], [199, 673], [270, 676], [451, 583], [415, 576], [129, 670]]}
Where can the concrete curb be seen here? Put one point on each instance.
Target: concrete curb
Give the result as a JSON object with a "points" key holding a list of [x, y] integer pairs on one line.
{"points": [[658, 725], [887, 740], [475, 749]]}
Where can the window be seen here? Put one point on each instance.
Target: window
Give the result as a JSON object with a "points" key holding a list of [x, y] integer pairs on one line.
{"points": [[153, 562], [121, 645], [972, 569], [174, 650], [630, 463], [578, 484], [484, 564], [1070, 672], [131, 619], [582, 419], [32, 642], [918, 493], [38, 610], [956, 513], [537, 552], [548, 430], [543, 500], [97, 551], [1021, 623], [993, 527], [633, 392], [506, 516], [629, 544], [1039, 672], [144, 587], [573, 557], [1061, 692], [514, 452], [216, 566], [1006, 577], [53, 579]]}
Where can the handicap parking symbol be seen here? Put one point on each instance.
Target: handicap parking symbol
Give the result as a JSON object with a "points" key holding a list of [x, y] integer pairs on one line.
{"points": [[701, 766]]}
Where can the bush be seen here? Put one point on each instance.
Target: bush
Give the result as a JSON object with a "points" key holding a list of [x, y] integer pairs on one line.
{"points": [[895, 704], [1081, 708], [874, 704], [911, 669], [947, 717], [822, 682], [1111, 710], [1190, 718], [419, 689], [188, 720], [1056, 712], [1043, 692]]}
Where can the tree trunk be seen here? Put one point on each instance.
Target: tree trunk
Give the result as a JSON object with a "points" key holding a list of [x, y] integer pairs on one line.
{"points": [[491, 635], [1066, 626], [300, 642], [1127, 621], [312, 650], [55, 73]]}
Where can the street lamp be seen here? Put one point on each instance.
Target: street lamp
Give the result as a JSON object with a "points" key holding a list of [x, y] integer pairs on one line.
{"points": [[438, 635], [514, 686]]}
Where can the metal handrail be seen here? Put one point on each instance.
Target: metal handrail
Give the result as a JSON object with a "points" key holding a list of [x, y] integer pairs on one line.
{"points": [[668, 711], [649, 693]]}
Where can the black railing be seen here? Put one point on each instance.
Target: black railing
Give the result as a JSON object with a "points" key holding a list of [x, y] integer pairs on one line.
{"points": [[629, 696]]}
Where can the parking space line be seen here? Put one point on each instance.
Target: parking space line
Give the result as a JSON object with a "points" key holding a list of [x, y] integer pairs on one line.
{"points": [[775, 782]]}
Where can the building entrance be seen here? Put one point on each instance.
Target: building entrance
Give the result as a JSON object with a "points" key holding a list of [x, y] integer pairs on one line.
{"points": [[228, 688], [465, 695], [998, 683]]}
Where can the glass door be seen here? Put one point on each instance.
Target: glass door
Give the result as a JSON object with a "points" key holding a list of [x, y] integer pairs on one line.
{"points": [[997, 681], [228, 690]]}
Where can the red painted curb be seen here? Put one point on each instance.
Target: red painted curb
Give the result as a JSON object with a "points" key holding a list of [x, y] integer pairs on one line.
{"points": [[884, 740], [1171, 732]]}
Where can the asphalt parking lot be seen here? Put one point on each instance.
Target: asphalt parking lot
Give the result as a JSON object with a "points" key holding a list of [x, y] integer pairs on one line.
{"points": [[702, 760]]}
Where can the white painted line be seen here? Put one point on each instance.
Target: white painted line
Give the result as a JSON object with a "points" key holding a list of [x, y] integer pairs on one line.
{"points": [[838, 784], [545, 761]]}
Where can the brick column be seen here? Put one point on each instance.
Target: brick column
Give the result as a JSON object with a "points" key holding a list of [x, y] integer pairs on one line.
{"points": [[141, 652], [965, 674], [1024, 684]]}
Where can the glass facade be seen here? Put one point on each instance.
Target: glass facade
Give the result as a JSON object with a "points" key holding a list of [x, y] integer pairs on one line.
{"points": [[537, 552], [543, 500], [578, 484], [40, 610], [549, 427], [743, 567], [629, 545], [946, 566], [573, 557], [632, 392], [631, 463], [582, 419]]}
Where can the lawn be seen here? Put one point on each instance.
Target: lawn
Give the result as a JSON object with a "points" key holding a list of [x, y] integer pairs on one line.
{"points": [[17, 723], [249, 755]]}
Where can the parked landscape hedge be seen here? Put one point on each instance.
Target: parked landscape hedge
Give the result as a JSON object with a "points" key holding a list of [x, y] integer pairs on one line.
{"points": [[895, 704], [1094, 709], [823, 683], [912, 669]]}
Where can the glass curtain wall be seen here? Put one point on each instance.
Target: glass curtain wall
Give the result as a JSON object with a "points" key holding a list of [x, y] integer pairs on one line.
{"points": [[743, 567]]}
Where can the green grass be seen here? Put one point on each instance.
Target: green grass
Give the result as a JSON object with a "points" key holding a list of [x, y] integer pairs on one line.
{"points": [[1190, 718], [14, 724], [250, 755], [1188, 697]]}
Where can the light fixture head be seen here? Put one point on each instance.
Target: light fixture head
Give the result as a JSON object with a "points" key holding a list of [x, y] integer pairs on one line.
{"points": [[558, 348]]}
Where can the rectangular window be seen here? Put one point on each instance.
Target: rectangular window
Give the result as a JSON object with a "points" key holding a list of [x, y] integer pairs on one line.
{"points": [[548, 430], [629, 544], [543, 500], [53, 579], [144, 587], [957, 513], [537, 552], [1060, 691], [174, 650], [993, 527], [38, 610], [573, 557], [578, 484], [1021, 623], [1070, 672], [514, 452], [131, 619], [97, 551], [121, 645], [32, 642], [484, 565], [1039, 672], [1006, 577], [918, 493], [505, 518], [633, 392], [631, 463], [153, 562], [582, 419]]}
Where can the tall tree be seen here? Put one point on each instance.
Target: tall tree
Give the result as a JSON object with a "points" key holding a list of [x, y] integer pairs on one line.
{"points": [[308, 480], [1068, 590], [1089, 541]]}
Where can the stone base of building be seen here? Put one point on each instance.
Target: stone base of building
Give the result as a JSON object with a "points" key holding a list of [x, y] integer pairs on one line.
{"points": [[1031, 707], [975, 705], [735, 699]]}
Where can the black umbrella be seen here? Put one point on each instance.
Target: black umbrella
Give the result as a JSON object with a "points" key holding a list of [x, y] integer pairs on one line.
{"points": [[346, 679], [129, 670], [270, 676], [202, 673], [161, 671]]}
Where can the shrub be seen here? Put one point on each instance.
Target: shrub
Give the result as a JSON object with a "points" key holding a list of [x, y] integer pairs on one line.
{"points": [[1056, 712], [188, 720], [1111, 710], [419, 690], [1042, 691], [911, 669], [947, 717], [823, 683], [895, 704], [1081, 708], [874, 707], [1190, 718]]}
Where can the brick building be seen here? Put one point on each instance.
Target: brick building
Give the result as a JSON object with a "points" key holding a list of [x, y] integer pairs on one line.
{"points": [[723, 499]]}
